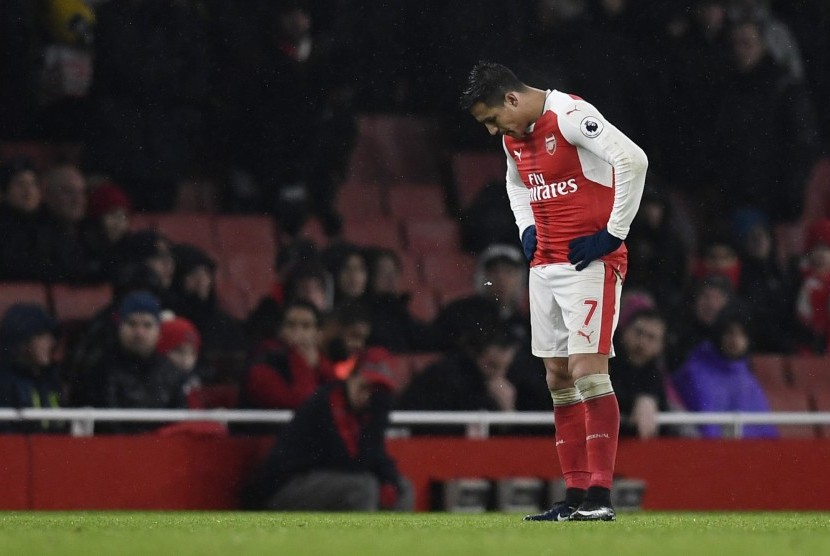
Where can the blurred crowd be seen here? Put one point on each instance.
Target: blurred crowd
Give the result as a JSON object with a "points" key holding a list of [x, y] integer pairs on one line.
{"points": [[252, 107]]}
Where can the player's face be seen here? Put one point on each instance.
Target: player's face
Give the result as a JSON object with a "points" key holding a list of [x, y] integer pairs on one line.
{"points": [[505, 118]]}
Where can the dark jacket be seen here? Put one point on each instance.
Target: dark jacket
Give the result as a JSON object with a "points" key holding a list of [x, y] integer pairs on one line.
{"points": [[326, 434], [630, 382], [20, 388]]}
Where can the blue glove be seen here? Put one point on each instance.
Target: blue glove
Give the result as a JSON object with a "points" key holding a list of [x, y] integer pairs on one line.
{"points": [[529, 242], [585, 249]]}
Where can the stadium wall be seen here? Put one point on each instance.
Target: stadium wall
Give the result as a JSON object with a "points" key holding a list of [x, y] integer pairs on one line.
{"points": [[204, 473]]}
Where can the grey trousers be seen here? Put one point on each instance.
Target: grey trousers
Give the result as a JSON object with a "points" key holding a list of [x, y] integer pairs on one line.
{"points": [[336, 491]]}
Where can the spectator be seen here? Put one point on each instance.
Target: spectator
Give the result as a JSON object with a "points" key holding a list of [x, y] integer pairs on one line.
{"points": [[332, 456], [719, 255], [813, 302], [393, 326], [34, 248], [487, 219], [288, 368], [778, 39], [637, 374], [180, 342], [347, 331], [770, 176], [100, 335], [767, 288], [106, 228], [471, 378], [348, 267], [717, 377], [194, 297], [658, 258], [29, 376], [150, 248], [134, 375], [710, 296]]}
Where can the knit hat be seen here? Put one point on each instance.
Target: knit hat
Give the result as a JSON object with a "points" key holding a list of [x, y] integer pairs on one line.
{"points": [[107, 198], [24, 321], [501, 252], [176, 333], [139, 302]]}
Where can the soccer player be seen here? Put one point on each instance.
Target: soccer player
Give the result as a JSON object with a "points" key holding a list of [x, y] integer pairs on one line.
{"points": [[574, 183]]}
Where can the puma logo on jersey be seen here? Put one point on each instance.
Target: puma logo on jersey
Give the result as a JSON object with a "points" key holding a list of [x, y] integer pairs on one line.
{"points": [[518, 154], [569, 112], [586, 335]]}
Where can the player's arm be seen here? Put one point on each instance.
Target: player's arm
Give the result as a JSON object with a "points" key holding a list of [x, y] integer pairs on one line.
{"points": [[519, 196], [586, 127]]}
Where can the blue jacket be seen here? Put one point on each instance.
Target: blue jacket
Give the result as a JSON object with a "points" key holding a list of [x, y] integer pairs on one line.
{"points": [[708, 381]]}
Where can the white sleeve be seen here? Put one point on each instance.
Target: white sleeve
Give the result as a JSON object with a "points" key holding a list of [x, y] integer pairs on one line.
{"points": [[585, 127], [518, 194]]}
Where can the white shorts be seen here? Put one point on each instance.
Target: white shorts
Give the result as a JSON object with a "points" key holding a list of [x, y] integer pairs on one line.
{"points": [[573, 312]]}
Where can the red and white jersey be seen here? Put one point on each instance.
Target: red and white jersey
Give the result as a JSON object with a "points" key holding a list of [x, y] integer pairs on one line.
{"points": [[571, 175]]}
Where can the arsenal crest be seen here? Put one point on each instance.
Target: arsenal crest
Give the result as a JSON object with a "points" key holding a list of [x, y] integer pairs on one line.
{"points": [[550, 143]]}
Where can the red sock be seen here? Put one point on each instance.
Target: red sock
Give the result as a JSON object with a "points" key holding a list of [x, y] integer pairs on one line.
{"points": [[602, 430], [570, 444]]}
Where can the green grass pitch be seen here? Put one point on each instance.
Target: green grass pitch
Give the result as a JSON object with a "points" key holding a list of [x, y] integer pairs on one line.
{"points": [[242, 534]]}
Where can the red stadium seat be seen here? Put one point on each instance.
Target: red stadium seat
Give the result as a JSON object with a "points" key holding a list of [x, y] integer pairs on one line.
{"points": [[809, 372], [194, 229], [79, 303], [22, 292], [423, 304], [426, 235], [473, 170], [394, 149], [361, 201], [770, 370], [415, 202], [143, 221], [821, 401], [791, 399], [450, 273], [380, 232], [213, 396], [312, 230], [246, 234], [243, 281]]}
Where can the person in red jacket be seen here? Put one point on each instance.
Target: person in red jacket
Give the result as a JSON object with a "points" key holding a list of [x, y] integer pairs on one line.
{"points": [[332, 455], [286, 370]]}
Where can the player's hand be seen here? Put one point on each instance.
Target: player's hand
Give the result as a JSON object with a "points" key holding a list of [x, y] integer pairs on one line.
{"points": [[585, 249], [529, 242]]}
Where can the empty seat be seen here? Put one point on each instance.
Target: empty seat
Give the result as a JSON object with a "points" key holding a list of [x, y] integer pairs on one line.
{"points": [[361, 201], [246, 234], [423, 304], [412, 201], [394, 149], [473, 170], [432, 234], [243, 281], [380, 232], [808, 371], [791, 399], [143, 221], [79, 303], [450, 273], [213, 396], [193, 229], [770, 370], [22, 292], [821, 401]]}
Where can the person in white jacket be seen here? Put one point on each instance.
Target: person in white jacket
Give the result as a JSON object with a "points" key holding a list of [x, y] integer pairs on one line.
{"points": [[574, 183]]}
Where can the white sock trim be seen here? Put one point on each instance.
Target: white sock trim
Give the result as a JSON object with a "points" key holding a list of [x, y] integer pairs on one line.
{"points": [[565, 396], [593, 386]]}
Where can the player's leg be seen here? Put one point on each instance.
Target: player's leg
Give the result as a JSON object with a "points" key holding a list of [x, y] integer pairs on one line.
{"points": [[549, 341], [592, 312]]}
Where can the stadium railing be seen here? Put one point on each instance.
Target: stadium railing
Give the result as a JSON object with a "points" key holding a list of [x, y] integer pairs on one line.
{"points": [[82, 420]]}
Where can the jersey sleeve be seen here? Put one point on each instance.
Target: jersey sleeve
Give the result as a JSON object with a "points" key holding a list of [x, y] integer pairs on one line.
{"points": [[585, 127], [518, 194]]}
